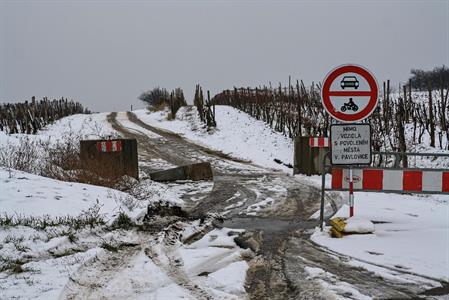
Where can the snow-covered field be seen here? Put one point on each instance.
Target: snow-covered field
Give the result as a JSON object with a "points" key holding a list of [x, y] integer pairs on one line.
{"points": [[237, 134]]}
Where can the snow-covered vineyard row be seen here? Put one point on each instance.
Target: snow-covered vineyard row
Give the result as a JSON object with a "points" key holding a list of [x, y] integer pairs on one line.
{"points": [[29, 117], [401, 121]]}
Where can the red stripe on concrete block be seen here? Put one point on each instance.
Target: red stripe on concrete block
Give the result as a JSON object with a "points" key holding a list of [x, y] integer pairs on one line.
{"points": [[445, 183], [412, 181], [311, 142], [337, 178], [372, 179], [320, 142], [109, 146]]}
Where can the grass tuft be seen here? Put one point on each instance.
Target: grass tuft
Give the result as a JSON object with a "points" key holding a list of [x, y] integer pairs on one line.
{"points": [[109, 247], [123, 221], [89, 218]]}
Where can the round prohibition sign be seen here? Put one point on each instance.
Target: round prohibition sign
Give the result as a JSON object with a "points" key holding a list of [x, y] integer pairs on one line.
{"points": [[349, 93]]}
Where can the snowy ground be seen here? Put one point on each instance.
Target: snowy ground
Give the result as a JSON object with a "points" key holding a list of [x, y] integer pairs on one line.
{"points": [[31, 195], [53, 233], [91, 126], [60, 262], [237, 134], [412, 231]]}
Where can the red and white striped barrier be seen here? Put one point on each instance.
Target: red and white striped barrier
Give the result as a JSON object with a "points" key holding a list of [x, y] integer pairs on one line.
{"points": [[109, 146], [407, 180], [319, 142]]}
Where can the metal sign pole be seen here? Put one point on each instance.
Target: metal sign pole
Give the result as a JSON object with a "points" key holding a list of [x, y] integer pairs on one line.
{"points": [[351, 192], [323, 190]]}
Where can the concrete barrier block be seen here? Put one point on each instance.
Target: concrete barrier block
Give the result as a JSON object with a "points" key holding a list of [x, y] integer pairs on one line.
{"points": [[110, 158], [195, 172], [200, 171], [308, 160]]}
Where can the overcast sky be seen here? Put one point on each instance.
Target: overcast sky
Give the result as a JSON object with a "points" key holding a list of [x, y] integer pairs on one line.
{"points": [[105, 53]]}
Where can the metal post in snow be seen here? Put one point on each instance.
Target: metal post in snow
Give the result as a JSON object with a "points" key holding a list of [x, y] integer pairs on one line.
{"points": [[323, 189], [351, 193], [323, 186]]}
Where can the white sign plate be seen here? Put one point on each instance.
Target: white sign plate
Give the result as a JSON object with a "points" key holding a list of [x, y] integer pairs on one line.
{"points": [[351, 144]]}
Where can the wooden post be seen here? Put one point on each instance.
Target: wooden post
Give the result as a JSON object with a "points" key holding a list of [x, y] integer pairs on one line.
{"points": [[431, 118]]}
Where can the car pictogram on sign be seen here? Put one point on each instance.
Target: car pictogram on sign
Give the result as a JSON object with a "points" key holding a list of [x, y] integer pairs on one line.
{"points": [[349, 81]]}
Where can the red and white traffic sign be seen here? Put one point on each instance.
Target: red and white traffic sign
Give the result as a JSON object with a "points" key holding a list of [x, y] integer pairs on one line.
{"points": [[349, 93]]}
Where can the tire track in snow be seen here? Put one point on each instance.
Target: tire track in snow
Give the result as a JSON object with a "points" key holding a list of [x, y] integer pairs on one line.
{"points": [[174, 265]]}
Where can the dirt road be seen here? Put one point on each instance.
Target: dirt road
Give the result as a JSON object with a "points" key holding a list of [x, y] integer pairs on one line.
{"points": [[274, 208]]}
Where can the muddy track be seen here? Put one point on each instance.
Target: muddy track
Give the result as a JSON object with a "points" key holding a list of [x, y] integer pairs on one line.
{"points": [[280, 230], [232, 177], [94, 276], [173, 263], [176, 137], [175, 150]]}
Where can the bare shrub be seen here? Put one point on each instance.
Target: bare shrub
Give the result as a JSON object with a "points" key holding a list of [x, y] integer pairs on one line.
{"points": [[62, 159], [22, 156], [155, 97], [59, 160], [159, 98]]}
